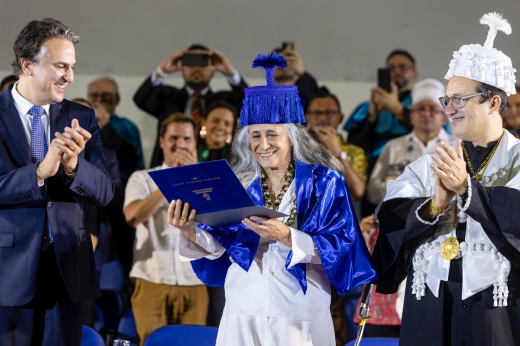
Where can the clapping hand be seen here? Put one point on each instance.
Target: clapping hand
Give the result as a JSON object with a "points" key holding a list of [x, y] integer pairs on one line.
{"points": [[450, 171], [71, 143]]}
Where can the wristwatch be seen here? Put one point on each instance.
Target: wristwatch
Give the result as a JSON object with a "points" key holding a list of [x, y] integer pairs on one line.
{"points": [[343, 155]]}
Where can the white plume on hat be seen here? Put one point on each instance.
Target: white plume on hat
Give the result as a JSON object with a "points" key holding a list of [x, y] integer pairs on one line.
{"points": [[486, 64], [428, 89]]}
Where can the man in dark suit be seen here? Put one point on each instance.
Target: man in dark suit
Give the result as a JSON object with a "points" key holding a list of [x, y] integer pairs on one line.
{"points": [[161, 101], [50, 159]]}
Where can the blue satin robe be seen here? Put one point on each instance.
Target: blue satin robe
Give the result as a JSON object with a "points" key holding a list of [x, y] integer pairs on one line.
{"points": [[324, 211]]}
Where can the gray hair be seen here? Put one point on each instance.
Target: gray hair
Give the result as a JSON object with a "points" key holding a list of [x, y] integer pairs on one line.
{"points": [[31, 41], [304, 149]]}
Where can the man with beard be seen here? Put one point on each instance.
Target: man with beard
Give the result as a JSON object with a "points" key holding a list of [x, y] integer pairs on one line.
{"points": [[450, 222], [161, 101], [323, 117], [385, 116], [427, 118], [167, 291]]}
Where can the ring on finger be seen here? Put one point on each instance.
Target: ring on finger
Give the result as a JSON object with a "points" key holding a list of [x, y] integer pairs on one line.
{"points": [[184, 218]]}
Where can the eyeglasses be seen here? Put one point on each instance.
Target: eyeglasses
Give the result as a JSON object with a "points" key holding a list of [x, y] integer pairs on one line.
{"points": [[431, 109], [328, 112], [458, 101], [403, 67], [103, 95]]}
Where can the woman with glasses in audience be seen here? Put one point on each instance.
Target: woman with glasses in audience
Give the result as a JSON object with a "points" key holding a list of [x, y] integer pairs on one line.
{"points": [[277, 272]]}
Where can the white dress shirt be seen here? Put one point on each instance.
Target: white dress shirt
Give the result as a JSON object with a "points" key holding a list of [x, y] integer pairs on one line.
{"points": [[156, 257], [23, 106], [266, 305]]}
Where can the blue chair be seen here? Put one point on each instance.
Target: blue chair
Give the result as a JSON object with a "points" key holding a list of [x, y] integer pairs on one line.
{"points": [[126, 328], [376, 342], [183, 335], [111, 276], [99, 321], [111, 306], [89, 337]]}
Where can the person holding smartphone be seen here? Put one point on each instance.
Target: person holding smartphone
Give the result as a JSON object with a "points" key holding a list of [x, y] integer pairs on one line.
{"points": [[295, 73], [198, 65], [385, 115]]}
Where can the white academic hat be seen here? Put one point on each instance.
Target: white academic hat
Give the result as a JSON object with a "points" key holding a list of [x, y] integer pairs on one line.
{"points": [[428, 89], [486, 64]]}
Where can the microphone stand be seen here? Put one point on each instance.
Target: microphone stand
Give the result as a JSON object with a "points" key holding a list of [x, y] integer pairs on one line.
{"points": [[364, 310]]}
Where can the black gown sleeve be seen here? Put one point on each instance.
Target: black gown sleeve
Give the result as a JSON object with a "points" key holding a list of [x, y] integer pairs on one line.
{"points": [[400, 234], [496, 209]]}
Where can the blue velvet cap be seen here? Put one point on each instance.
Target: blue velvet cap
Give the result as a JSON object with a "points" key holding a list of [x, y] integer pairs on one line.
{"points": [[271, 104]]}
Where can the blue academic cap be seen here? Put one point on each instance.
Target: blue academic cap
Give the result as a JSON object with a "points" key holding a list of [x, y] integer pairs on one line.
{"points": [[271, 104]]}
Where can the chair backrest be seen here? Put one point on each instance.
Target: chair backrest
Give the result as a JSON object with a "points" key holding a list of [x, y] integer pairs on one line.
{"points": [[111, 276], [111, 305], [183, 335], [89, 337], [126, 329], [376, 342]]}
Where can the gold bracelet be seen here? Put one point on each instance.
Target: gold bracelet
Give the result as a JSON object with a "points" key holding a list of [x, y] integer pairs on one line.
{"points": [[435, 209]]}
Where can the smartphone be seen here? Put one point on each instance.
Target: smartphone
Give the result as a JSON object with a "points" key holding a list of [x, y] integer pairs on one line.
{"points": [[195, 60], [287, 45], [383, 78]]}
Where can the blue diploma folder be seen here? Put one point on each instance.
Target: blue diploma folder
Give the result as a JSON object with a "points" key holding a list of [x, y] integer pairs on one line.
{"points": [[213, 189]]}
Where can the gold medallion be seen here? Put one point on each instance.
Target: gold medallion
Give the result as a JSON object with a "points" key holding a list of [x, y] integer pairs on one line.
{"points": [[450, 248]]}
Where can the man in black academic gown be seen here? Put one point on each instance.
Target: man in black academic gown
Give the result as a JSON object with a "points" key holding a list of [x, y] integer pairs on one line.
{"points": [[450, 224]]}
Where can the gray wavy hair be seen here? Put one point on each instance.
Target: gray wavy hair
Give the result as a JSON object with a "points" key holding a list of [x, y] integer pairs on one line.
{"points": [[304, 149]]}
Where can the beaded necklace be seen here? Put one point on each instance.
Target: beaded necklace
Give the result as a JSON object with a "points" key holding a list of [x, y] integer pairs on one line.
{"points": [[268, 201]]}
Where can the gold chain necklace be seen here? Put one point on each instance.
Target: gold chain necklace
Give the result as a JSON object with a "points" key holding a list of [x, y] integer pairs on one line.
{"points": [[483, 166], [450, 246], [268, 202]]}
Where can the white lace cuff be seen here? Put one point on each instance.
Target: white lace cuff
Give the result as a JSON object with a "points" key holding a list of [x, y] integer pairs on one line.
{"points": [[429, 222], [462, 207]]}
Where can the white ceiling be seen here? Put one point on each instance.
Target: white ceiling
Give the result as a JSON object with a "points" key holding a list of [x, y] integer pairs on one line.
{"points": [[338, 39]]}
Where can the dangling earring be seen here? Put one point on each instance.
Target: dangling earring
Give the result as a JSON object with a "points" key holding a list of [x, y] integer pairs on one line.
{"points": [[228, 140], [203, 132]]}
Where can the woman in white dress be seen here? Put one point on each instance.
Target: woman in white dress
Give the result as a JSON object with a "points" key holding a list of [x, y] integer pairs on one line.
{"points": [[277, 273]]}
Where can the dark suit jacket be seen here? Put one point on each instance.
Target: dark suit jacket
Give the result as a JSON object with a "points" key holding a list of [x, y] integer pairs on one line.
{"points": [[23, 205], [161, 101]]}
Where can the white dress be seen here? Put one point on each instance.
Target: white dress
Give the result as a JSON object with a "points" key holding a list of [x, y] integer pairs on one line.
{"points": [[266, 305]]}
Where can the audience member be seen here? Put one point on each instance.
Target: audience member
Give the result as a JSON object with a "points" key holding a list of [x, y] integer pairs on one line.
{"points": [[427, 119], [296, 74], [117, 133], [160, 100], [105, 220], [7, 81], [216, 134], [167, 290], [323, 116], [512, 118], [386, 310], [385, 116]]}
